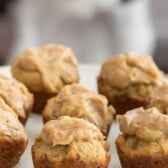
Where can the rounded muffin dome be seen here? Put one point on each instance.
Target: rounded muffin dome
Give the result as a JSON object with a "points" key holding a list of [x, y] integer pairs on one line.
{"points": [[47, 68], [78, 101], [144, 138], [127, 80], [70, 142]]}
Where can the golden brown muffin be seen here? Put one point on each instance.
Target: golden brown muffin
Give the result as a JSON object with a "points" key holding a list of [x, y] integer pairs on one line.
{"points": [[159, 99], [144, 139], [45, 70], [77, 101], [17, 97], [13, 138], [70, 143], [127, 80]]}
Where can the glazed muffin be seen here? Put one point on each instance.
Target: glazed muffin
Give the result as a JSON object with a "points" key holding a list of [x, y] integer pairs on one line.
{"points": [[77, 101], [17, 97], [13, 138], [159, 99], [144, 139], [127, 80], [45, 70], [70, 143]]}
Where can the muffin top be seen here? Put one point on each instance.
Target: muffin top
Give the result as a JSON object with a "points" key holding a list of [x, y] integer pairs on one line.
{"points": [[147, 125], [65, 130], [159, 99], [9, 123], [47, 68], [15, 95], [77, 101], [126, 69]]}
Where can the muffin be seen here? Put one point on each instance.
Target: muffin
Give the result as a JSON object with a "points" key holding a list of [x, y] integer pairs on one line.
{"points": [[70, 143], [159, 99], [45, 70], [17, 97], [127, 80], [144, 139], [77, 101], [13, 138]]}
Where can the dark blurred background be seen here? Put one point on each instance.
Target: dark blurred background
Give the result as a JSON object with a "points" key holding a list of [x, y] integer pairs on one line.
{"points": [[95, 31], [7, 30], [160, 20]]}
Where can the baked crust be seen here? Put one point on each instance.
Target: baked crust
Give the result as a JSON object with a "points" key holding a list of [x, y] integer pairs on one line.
{"points": [[17, 97], [121, 103], [78, 101], [129, 77], [13, 138], [44, 162], [72, 160], [11, 150], [125, 101], [45, 70], [144, 159], [70, 142]]}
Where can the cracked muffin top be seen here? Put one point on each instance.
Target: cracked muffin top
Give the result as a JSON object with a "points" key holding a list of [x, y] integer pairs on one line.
{"points": [[47, 68], [69, 141], [15, 95], [126, 69], [77, 101], [65, 130], [147, 125]]}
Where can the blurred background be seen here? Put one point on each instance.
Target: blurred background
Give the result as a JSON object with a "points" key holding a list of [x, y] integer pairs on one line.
{"points": [[94, 29]]}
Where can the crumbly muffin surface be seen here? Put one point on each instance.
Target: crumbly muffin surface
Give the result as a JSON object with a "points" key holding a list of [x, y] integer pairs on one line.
{"points": [[128, 80], [126, 69], [147, 125], [78, 101], [78, 149], [13, 138], [46, 68], [70, 142], [15, 95], [65, 130], [144, 139]]}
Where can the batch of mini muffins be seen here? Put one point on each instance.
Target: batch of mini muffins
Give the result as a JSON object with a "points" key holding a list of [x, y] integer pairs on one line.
{"points": [[77, 120]]}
